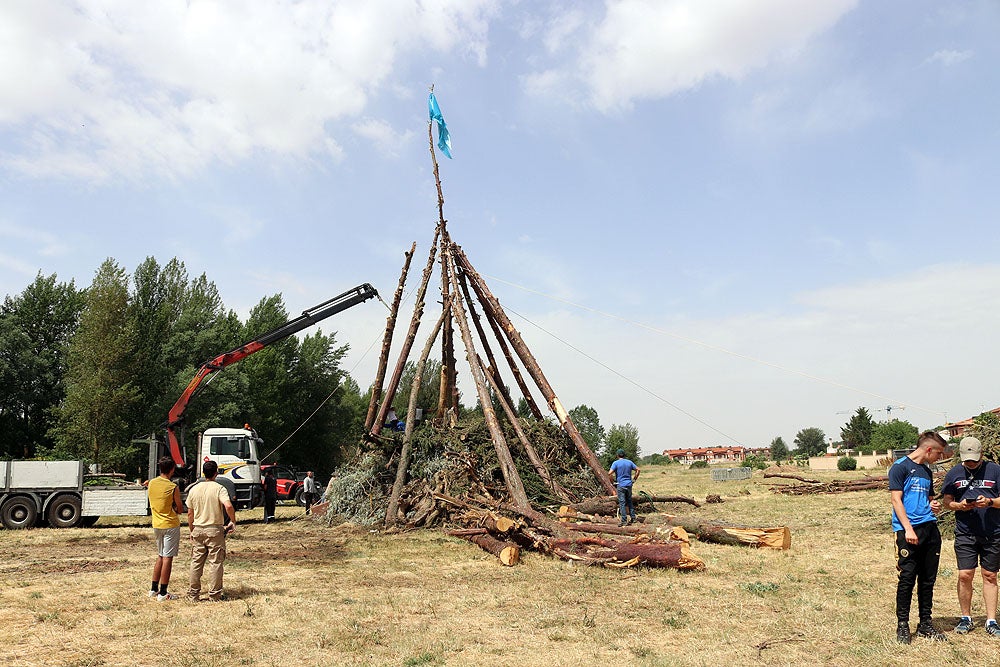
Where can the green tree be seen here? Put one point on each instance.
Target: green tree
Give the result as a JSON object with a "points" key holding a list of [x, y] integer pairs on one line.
{"points": [[589, 425], [857, 433], [523, 410], [621, 436], [428, 392], [93, 420], [35, 328], [811, 441], [779, 450], [986, 427], [893, 434]]}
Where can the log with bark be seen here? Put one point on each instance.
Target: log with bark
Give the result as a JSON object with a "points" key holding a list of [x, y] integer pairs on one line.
{"points": [[779, 537], [787, 476], [608, 505], [880, 482], [508, 553], [610, 553]]}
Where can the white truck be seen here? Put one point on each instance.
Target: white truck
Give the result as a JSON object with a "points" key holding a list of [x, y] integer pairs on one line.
{"points": [[34, 492]]}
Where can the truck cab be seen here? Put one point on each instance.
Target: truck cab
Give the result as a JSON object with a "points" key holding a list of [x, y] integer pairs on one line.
{"points": [[237, 451]]}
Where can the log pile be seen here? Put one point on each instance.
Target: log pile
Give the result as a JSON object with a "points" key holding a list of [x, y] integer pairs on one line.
{"points": [[811, 487]]}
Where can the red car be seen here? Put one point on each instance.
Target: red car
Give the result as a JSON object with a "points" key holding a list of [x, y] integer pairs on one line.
{"points": [[289, 482]]}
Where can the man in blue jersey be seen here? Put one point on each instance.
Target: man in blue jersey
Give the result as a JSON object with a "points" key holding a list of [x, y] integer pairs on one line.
{"points": [[621, 475], [971, 489], [918, 541]]}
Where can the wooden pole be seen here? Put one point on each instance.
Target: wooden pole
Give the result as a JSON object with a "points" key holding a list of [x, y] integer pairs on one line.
{"points": [[492, 372], [404, 455], [502, 342], [510, 475], [531, 365], [411, 334], [529, 449], [390, 325]]}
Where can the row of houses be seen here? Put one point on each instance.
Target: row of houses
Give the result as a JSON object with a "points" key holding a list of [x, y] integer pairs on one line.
{"points": [[713, 455]]}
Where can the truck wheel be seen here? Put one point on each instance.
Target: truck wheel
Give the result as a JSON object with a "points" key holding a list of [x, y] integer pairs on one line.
{"points": [[300, 497], [18, 512], [64, 511]]}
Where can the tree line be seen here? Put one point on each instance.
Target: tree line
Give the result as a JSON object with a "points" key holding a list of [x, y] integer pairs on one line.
{"points": [[83, 371]]}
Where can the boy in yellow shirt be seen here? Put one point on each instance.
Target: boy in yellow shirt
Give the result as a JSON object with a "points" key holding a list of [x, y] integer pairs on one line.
{"points": [[165, 505]]}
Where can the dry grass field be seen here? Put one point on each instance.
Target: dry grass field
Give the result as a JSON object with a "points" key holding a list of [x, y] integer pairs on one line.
{"points": [[301, 593]]}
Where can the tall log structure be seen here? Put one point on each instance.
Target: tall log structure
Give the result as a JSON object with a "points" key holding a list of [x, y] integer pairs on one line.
{"points": [[390, 326]]}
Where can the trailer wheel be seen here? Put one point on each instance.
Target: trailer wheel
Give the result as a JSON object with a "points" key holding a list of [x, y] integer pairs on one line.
{"points": [[64, 511], [18, 512]]}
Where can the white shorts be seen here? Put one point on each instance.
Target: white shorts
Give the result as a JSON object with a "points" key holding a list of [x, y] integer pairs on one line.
{"points": [[168, 541]]}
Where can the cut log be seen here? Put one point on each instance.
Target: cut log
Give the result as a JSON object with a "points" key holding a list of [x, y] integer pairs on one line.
{"points": [[609, 553], [508, 553], [779, 537], [787, 476]]}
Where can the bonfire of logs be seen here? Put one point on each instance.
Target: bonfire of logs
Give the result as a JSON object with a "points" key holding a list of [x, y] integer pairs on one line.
{"points": [[488, 494]]}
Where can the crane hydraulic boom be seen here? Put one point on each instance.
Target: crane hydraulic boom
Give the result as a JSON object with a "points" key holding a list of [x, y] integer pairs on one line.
{"points": [[175, 418]]}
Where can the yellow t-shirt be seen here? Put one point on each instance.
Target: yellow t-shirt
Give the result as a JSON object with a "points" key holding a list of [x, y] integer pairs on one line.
{"points": [[161, 503], [205, 499]]}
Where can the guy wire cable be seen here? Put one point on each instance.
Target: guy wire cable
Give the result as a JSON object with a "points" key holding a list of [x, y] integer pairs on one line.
{"points": [[717, 348]]}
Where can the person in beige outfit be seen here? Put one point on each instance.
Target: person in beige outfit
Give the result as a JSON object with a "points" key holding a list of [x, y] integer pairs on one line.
{"points": [[208, 508]]}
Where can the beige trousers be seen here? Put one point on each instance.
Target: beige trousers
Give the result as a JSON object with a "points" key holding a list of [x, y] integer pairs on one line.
{"points": [[209, 544]]}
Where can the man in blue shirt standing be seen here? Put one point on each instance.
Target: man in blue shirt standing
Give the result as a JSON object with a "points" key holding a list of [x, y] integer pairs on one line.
{"points": [[918, 541], [971, 489], [621, 475]]}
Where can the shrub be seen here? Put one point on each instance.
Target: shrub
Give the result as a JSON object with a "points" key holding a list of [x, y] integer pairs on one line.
{"points": [[699, 464], [755, 461], [847, 463]]}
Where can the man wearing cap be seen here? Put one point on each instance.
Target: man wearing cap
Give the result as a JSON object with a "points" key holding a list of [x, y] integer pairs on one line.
{"points": [[621, 474], [970, 489], [918, 540]]}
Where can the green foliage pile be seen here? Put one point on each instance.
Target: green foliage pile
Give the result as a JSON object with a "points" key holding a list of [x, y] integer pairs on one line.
{"points": [[986, 427], [460, 462], [845, 463], [698, 464]]}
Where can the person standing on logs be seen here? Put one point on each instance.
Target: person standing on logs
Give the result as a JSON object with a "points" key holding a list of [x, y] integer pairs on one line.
{"points": [[918, 540], [621, 474], [970, 488]]}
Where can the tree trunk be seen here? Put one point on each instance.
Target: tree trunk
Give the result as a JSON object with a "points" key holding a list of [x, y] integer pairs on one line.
{"points": [[529, 449], [534, 370], [510, 475], [508, 552], [383, 360], [779, 537], [404, 454], [411, 335]]}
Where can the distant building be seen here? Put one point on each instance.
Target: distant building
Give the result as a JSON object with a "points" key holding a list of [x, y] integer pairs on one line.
{"points": [[711, 454], [961, 429]]}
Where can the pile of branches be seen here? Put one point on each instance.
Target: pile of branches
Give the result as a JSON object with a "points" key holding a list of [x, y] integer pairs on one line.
{"points": [[459, 462]]}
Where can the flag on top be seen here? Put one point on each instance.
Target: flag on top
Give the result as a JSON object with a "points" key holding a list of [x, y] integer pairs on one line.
{"points": [[444, 139]]}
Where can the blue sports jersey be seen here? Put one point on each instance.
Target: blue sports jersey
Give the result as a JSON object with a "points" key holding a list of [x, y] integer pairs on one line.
{"points": [[917, 485]]}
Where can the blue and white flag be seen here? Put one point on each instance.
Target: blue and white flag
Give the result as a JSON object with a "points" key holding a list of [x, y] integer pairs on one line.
{"points": [[444, 139]]}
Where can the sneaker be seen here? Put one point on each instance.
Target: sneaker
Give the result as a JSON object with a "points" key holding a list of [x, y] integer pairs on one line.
{"points": [[165, 597], [965, 625], [927, 631], [992, 629], [151, 594], [903, 633]]}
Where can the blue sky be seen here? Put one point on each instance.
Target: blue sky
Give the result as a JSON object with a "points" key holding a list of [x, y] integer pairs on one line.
{"points": [[775, 211]]}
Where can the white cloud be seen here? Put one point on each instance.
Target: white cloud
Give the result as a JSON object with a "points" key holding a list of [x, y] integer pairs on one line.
{"points": [[114, 88], [647, 49], [948, 57], [40, 242], [380, 133]]}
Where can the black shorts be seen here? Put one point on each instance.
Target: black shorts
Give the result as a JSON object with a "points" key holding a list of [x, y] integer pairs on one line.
{"points": [[972, 552]]}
